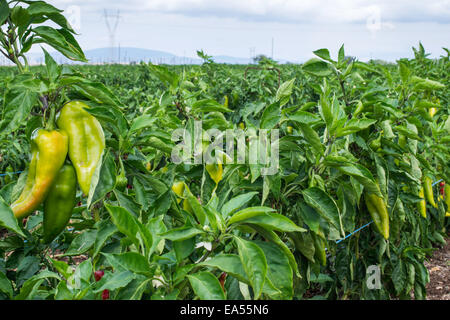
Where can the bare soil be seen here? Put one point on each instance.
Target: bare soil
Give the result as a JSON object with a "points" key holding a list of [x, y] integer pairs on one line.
{"points": [[439, 269]]}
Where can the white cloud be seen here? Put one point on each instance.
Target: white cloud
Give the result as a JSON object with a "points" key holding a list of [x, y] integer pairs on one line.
{"points": [[290, 11], [231, 27]]}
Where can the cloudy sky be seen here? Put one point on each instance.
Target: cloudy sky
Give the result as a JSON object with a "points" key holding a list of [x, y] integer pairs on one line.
{"points": [[385, 29]]}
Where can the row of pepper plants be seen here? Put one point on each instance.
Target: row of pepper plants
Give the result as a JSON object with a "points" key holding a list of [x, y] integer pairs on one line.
{"points": [[100, 211]]}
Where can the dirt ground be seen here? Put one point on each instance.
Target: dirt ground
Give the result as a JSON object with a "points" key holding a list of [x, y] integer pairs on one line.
{"points": [[439, 269]]}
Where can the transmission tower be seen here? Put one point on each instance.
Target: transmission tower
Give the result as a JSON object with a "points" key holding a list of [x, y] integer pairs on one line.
{"points": [[252, 54], [272, 50], [112, 30]]}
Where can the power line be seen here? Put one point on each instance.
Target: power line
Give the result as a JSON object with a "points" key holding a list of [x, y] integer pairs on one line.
{"points": [[272, 49], [112, 28]]}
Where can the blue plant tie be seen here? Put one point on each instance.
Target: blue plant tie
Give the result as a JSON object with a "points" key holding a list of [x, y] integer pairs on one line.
{"points": [[437, 182], [350, 234], [6, 174], [364, 226]]}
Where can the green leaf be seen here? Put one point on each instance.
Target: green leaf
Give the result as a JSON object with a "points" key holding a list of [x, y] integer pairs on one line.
{"points": [[117, 281], [323, 53], [131, 261], [61, 41], [359, 172], [183, 248], [279, 271], [273, 237], [141, 122], [83, 273], [125, 222], [284, 92], [81, 243], [399, 277], [317, 67], [103, 179], [354, 125], [309, 216], [37, 8], [31, 286], [312, 138], [209, 105], [60, 20], [271, 116], [305, 244], [304, 117], [426, 84], [62, 268], [237, 202], [158, 144], [179, 234], [254, 263], [196, 207], [341, 55], [408, 133], [169, 78], [94, 91], [19, 16], [229, 263], [4, 11], [105, 231], [8, 220], [5, 285], [404, 72], [63, 292], [206, 286], [275, 221], [156, 226], [324, 205], [53, 70], [248, 213], [128, 202], [28, 266], [17, 106]]}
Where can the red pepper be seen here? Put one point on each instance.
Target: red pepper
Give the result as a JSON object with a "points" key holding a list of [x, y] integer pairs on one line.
{"points": [[99, 274], [222, 278], [105, 294]]}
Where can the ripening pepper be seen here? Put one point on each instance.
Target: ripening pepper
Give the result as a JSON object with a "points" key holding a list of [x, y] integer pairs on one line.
{"points": [[379, 213], [319, 245], [401, 143], [428, 188], [447, 197], [121, 179], [422, 205], [432, 111], [178, 189], [48, 153], [60, 202], [86, 140], [215, 171], [9, 171]]}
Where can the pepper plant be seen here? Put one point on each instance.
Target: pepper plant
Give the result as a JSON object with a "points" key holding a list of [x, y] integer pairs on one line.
{"points": [[357, 142]]}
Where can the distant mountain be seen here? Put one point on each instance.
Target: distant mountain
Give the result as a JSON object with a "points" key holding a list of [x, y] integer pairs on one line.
{"points": [[129, 55], [231, 60]]}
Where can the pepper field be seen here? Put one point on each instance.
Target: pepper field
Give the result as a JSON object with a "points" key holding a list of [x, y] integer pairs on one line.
{"points": [[346, 132]]}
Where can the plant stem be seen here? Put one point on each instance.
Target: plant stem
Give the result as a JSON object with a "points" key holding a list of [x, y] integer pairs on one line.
{"points": [[51, 119]]}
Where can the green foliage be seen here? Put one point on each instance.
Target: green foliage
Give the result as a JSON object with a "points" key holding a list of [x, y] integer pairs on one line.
{"points": [[248, 236]]}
